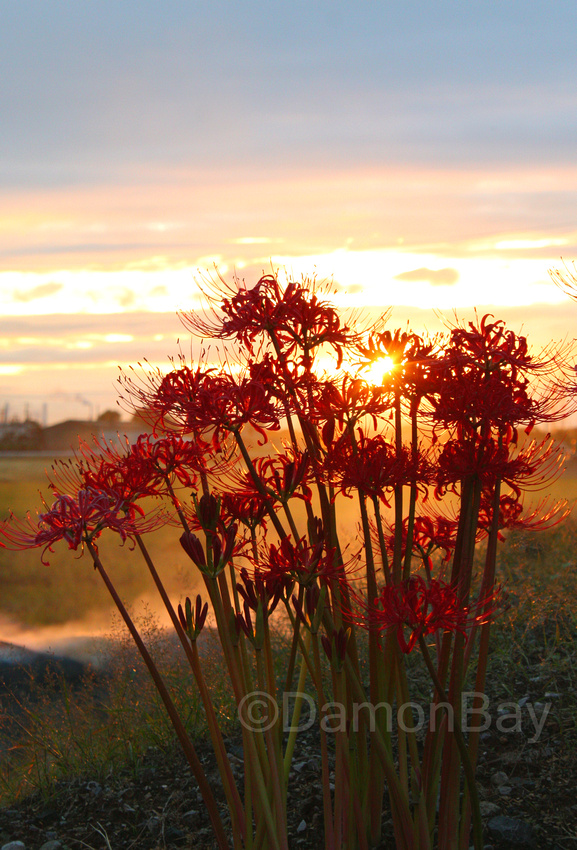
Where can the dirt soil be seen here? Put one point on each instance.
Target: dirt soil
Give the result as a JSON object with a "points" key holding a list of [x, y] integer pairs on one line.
{"points": [[156, 805]]}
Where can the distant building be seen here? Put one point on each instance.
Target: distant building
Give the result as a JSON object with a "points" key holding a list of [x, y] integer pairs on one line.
{"points": [[66, 435], [21, 436]]}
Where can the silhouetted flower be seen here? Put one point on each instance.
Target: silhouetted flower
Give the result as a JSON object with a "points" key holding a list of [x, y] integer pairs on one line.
{"points": [[417, 608], [75, 520]]}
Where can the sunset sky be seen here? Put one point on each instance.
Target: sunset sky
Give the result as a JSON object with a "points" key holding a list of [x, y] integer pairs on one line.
{"points": [[420, 154]]}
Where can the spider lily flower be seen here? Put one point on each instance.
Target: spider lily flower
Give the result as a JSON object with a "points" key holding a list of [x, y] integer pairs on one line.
{"points": [[491, 346], [547, 514], [248, 508], [472, 400], [411, 361], [285, 475], [348, 402], [304, 562], [227, 404], [532, 467], [75, 520], [416, 608], [134, 471], [431, 533], [373, 466], [292, 315], [167, 401]]}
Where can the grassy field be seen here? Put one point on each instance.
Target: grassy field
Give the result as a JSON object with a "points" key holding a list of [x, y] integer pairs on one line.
{"points": [[32, 594]]}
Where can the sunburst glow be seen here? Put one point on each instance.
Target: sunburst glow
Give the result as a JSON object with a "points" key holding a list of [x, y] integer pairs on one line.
{"points": [[375, 373]]}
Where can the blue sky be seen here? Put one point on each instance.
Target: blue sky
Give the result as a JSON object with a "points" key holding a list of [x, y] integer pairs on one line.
{"points": [[422, 154]]}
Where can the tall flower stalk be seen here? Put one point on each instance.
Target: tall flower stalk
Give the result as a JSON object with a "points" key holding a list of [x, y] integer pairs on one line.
{"points": [[433, 457]]}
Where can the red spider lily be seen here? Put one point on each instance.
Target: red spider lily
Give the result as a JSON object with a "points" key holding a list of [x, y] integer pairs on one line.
{"points": [[144, 468], [422, 608], [247, 314], [472, 399], [284, 476], [226, 405], [546, 514], [490, 346], [532, 467], [373, 466], [304, 562], [287, 381], [76, 520], [381, 344], [482, 380], [167, 401], [433, 534], [248, 508], [203, 401], [293, 317], [345, 405], [413, 360]]}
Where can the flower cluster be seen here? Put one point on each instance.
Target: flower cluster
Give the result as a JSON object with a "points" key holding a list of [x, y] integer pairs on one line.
{"points": [[261, 460]]}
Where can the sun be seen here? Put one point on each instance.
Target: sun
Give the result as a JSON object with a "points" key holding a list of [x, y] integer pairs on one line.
{"points": [[377, 370]]}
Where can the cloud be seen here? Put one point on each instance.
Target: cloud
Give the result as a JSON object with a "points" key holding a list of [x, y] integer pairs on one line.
{"points": [[43, 290], [436, 277], [126, 298]]}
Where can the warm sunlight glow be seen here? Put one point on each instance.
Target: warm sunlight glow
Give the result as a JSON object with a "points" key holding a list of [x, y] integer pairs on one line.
{"points": [[375, 373]]}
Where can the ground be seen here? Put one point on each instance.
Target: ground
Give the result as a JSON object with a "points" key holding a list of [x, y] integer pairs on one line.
{"points": [[155, 806]]}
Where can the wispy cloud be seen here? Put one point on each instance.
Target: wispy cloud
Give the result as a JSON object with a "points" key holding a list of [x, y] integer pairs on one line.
{"points": [[436, 277], [43, 290]]}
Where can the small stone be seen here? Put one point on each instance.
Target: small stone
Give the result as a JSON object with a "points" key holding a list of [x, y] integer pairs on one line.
{"points": [[488, 809], [499, 778], [153, 823], [51, 845], [94, 788], [552, 695], [302, 826], [173, 833], [505, 790], [14, 845], [517, 833]]}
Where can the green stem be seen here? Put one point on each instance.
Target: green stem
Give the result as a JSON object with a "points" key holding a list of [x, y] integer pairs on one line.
{"points": [[232, 795], [462, 745], [177, 724]]}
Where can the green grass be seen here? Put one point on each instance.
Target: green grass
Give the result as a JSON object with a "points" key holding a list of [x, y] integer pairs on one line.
{"points": [[34, 594], [56, 732]]}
